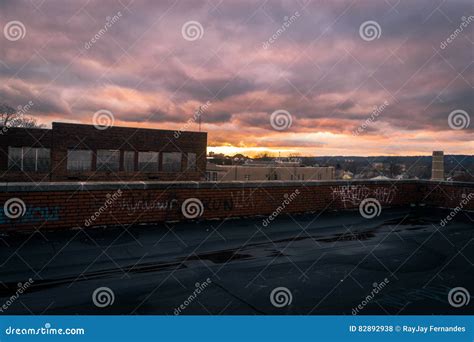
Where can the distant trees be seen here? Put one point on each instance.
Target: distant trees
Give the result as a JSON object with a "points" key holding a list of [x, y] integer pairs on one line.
{"points": [[10, 117], [264, 156]]}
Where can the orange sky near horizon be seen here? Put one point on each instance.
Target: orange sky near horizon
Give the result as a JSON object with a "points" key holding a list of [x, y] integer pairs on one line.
{"points": [[319, 87]]}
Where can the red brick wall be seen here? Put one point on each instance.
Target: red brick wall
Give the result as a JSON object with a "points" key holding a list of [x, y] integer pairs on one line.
{"points": [[65, 136], [447, 195], [66, 205]]}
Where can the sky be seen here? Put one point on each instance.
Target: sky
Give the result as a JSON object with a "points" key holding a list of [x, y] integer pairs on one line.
{"points": [[309, 78]]}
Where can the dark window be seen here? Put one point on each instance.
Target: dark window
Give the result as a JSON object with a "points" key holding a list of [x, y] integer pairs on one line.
{"points": [[148, 161], [29, 159], [171, 161], [129, 161], [79, 160], [14, 158], [108, 160], [191, 161], [43, 160]]}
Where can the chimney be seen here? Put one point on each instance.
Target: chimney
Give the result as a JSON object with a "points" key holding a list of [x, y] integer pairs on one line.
{"points": [[437, 170]]}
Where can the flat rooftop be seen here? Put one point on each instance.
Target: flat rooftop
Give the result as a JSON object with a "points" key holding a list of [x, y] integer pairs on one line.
{"points": [[330, 263]]}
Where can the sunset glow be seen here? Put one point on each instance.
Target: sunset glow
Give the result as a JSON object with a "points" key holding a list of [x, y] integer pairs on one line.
{"points": [[318, 69]]}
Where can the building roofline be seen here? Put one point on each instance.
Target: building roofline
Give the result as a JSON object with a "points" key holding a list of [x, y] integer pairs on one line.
{"points": [[57, 123]]}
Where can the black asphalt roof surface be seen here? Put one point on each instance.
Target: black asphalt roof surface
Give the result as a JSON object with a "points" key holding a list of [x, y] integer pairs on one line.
{"points": [[329, 263]]}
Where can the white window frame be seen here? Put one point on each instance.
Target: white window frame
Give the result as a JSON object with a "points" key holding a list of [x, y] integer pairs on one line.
{"points": [[22, 158]]}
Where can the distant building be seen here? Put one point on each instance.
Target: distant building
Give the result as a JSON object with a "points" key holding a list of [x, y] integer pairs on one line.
{"points": [[347, 175], [268, 172], [437, 169], [378, 166], [83, 152], [380, 177]]}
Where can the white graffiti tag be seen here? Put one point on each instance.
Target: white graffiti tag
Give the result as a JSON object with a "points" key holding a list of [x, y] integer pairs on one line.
{"points": [[352, 195]]}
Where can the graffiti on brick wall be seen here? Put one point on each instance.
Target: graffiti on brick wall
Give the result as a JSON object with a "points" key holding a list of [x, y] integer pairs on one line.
{"points": [[133, 206], [32, 215], [243, 199], [352, 195], [384, 195]]}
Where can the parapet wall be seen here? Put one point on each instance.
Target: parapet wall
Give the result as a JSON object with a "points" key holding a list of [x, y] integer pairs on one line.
{"points": [[73, 205]]}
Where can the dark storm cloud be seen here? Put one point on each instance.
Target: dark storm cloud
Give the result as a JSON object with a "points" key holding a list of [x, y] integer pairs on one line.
{"points": [[318, 68]]}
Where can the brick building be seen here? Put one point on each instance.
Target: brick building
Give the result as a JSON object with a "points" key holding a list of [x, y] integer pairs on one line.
{"points": [[71, 152]]}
